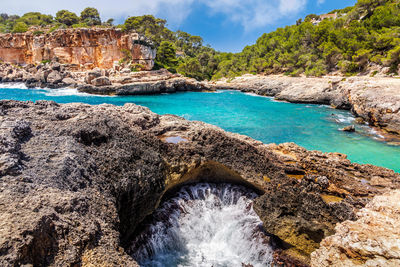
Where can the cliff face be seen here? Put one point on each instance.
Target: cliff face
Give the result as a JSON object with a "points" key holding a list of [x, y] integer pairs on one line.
{"points": [[88, 48]]}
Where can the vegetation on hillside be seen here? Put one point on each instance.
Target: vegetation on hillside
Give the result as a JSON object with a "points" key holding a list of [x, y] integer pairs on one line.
{"points": [[363, 35], [359, 37]]}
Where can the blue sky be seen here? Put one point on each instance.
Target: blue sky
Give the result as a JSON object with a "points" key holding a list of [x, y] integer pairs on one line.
{"points": [[227, 25]]}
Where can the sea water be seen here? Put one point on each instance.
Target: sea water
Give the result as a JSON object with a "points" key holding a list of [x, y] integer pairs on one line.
{"points": [[315, 127]]}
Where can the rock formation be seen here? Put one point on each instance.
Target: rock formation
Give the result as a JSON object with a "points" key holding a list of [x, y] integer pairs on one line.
{"points": [[114, 81], [85, 48], [372, 240], [77, 180], [376, 100]]}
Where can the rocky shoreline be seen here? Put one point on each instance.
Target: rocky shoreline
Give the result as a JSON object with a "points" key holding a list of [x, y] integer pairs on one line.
{"points": [[116, 81], [374, 100], [77, 180]]}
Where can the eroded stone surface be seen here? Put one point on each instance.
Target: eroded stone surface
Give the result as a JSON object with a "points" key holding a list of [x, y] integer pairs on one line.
{"points": [[76, 180], [372, 240], [85, 47]]}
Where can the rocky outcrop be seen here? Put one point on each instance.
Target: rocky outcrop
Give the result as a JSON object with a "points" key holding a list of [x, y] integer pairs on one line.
{"points": [[376, 100], [77, 180], [86, 48], [372, 240], [115, 81]]}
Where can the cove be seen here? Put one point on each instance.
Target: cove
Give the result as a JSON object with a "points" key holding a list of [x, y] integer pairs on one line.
{"points": [[314, 127]]}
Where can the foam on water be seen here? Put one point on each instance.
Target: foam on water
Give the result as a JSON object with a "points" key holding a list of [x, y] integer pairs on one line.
{"points": [[64, 92], [13, 86], [204, 225]]}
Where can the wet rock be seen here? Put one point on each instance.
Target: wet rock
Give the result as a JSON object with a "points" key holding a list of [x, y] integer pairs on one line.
{"points": [[360, 120], [350, 128]]}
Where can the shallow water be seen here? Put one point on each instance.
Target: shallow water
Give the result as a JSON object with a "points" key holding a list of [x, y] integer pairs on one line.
{"points": [[204, 225], [314, 127]]}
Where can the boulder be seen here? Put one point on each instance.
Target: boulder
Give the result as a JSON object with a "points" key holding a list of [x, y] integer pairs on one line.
{"points": [[101, 81], [54, 77], [69, 81], [93, 74]]}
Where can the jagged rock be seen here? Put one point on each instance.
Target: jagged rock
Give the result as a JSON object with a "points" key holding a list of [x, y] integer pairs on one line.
{"points": [[372, 240], [79, 180], [101, 81], [350, 128]]}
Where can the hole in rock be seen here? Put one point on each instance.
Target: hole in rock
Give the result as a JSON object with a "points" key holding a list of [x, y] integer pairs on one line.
{"points": [[203, 224]]}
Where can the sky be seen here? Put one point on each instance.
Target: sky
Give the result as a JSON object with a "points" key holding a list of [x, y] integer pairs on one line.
{"points": [[226, 25]]}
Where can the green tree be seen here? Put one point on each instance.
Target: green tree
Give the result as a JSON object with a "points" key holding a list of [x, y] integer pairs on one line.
{"points": [[149, 26], [36, 18], [20, 27], [91, 16], [66, 17], [166, 56]]}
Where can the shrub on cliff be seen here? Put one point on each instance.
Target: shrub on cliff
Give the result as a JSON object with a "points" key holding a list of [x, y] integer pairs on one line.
{"points": [[66, 17], [36, 18], [20, 27], [91, 16]]}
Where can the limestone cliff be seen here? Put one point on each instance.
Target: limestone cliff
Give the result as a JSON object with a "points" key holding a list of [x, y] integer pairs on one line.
{"points": [[87, 48]]}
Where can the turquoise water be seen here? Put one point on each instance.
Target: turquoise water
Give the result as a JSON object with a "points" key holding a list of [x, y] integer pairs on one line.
{"points": [[314, 127]]}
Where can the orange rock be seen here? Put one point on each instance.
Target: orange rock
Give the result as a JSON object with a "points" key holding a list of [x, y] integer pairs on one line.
{"points": [[88, 48]]}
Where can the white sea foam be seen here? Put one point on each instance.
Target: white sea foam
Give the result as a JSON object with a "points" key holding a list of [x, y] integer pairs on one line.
{"points": [[64, 92], [13, 86], [344, 119], [204, 225], [256, 95]]}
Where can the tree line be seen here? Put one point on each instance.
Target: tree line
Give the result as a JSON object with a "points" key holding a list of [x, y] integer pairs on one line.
{"points": [[359, 37]]}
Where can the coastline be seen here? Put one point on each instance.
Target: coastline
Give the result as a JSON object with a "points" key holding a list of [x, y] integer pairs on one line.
{"points": [[374, 100]]}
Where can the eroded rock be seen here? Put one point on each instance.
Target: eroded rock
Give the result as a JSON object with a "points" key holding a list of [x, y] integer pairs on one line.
{"points": [[79, 179]]}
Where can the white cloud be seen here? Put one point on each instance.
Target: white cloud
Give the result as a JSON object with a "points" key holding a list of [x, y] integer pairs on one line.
{"points": [[320, 2], [250, 13]]}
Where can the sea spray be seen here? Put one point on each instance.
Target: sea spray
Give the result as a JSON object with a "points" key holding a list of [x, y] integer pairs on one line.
{"points": [[204, 225]]}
